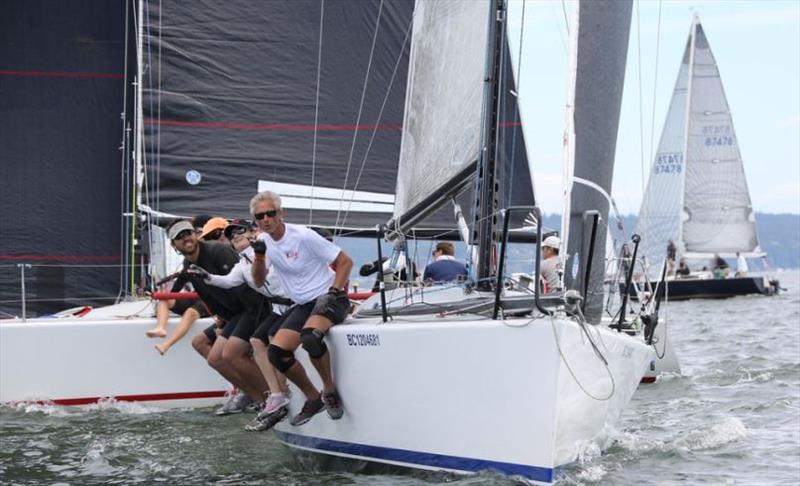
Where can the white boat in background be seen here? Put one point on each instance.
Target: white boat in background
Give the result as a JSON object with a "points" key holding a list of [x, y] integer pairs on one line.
{"points": [[697, 195], [103, 355]]}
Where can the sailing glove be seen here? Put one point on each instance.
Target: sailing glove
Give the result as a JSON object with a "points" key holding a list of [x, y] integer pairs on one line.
{"points": [[259, 247], [198, 271]]}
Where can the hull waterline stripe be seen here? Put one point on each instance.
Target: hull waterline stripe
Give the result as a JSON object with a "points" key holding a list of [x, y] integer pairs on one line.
{"points": [[154, 397], [411, 458]]}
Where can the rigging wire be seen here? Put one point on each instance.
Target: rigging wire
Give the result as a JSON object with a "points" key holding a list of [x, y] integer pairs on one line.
{"points": [[641, 106], [360, 109], [316, 113], [123, 149], [377, 122], [655, 85]]}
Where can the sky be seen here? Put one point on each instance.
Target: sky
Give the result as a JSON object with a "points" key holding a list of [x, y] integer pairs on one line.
{"points": [[757, 48]]}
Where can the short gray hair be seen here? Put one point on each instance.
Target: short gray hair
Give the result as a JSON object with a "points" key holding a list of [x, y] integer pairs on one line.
{"points": [[265, 196]]}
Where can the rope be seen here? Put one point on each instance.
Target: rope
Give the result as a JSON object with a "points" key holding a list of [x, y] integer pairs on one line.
{"points": [[641, 110], [316, 112], [569, 368], [360, 109]]}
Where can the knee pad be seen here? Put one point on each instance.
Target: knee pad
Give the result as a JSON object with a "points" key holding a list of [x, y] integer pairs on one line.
{"points": [[281, 359], [313, 342]]}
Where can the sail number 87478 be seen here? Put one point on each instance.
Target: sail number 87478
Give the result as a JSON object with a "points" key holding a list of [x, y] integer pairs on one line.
{"points": [[669, 163]]}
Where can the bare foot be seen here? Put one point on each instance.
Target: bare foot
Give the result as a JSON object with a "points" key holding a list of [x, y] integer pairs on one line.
{"points": [[156, 333], [161, 348]]}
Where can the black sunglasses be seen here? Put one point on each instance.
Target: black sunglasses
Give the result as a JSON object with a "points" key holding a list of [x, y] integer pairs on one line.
{"points": [[236, 231], [270, 214], [214, 235], [183, 234]]}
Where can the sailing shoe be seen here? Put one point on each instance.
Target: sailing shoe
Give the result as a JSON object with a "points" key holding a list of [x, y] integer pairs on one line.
{"points": [[333, 403], [259, 425], [310, 408], [236, 404], [274, 404]]}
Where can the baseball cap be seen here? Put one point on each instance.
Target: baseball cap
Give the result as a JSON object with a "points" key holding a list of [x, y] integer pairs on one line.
{"points": [[552, 242], [215, 223], [176, 228], [237, 223]]}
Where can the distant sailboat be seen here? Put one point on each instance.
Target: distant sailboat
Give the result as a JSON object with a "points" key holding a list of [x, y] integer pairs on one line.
{"points": [[697, 195]]}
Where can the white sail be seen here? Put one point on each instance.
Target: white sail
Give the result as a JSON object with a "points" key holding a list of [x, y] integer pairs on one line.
{"points": [[697, 193], [442, 123]]}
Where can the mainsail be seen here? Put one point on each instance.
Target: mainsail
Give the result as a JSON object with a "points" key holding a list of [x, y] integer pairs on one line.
{"points": [[697, 194], [444, 116], [304, 97]]}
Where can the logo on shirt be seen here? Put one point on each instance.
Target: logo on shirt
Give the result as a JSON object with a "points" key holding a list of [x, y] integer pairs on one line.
{"points": [[292, 254]]}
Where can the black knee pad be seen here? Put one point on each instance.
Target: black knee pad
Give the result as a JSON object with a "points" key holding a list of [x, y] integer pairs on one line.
{"points": [[281, 359], [313, 342]]}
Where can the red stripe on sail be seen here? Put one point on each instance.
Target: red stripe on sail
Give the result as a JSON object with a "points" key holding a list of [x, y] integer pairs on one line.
{"points": [[60, 74], [278, 127]]}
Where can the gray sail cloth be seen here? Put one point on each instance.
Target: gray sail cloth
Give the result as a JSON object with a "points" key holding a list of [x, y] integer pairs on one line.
{"points": [[442, 123], [62, 81], [602, 46], [230, 101], [697, 193]]}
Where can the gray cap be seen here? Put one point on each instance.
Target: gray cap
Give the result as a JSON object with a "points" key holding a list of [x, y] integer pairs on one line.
{"points": [[174, 230]]}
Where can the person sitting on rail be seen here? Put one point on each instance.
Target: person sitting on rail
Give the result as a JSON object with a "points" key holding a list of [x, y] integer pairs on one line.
{"points": [[302, 258]]}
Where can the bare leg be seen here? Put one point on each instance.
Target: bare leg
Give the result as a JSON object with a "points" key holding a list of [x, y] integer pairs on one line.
{"points": [[189, 317], [290, 340], [162, 316], [236, 354], [322, 364], [271, 375], [202, 345], [216, 361]]}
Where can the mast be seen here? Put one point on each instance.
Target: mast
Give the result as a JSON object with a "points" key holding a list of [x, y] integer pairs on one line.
{"points": [[685, 153], [485, 219]]}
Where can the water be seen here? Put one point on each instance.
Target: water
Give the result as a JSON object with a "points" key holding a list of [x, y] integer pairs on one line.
{"points": [[732, 417]]}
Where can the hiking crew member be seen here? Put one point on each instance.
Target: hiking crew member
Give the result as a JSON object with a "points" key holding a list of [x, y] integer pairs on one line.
{"points": [[301, 259], [236, 310]]}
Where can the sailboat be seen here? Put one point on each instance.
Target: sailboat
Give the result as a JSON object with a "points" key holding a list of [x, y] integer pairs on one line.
{"points": [[697, 195], [219, 112], [483, 375]]}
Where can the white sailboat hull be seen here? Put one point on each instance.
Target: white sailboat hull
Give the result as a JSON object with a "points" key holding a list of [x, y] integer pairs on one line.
{"points": [[79, 361], [470, 394]]}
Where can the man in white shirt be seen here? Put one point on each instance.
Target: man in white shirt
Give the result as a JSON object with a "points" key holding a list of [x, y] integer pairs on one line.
{"points": [[741, 265], [302, 260], [550, 267]]}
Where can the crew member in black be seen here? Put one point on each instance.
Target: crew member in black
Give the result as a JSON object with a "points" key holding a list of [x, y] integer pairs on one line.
{"points": [[236, 310]]}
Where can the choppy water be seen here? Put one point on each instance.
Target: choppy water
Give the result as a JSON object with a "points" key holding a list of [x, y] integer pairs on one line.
{"points": [[732, 417]]}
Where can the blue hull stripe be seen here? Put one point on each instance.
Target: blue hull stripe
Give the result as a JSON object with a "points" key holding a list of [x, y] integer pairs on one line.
{"points": [[542, 474]]}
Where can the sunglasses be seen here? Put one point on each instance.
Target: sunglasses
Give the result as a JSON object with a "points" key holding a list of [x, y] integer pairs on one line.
{"points": [[270, 214], [237, 230], [183, 234], [214, 235]]}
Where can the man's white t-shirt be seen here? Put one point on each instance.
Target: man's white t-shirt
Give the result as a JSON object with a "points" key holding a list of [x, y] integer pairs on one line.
{"points": [[549, 270], [741, 264], [301, 258]]}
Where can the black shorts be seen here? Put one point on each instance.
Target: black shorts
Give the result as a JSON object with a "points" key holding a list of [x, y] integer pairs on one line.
{"points": [[244, 324], [333, 308], [181, 305], [268, 327], [211, 333]]}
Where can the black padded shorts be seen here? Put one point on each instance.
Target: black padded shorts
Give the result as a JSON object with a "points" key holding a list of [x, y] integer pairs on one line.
{"points": [[244, 324], [334, 308], [181, 305], [268, 327]]}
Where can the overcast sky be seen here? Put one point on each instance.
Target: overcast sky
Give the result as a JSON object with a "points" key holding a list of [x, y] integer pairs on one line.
{"points": [[757, 48]]}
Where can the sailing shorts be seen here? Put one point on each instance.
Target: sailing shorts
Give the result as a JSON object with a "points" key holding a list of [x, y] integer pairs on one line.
{"points": [[182, 305], [268, 327], [334, 308], [244, 324]]}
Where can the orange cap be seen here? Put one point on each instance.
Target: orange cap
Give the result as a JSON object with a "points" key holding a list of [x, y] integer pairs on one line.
{"points": [[216, 223]]}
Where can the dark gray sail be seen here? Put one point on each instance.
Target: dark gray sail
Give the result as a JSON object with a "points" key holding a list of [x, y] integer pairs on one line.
{"points": [[62, 90], [304, 97], [602, 46]]}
